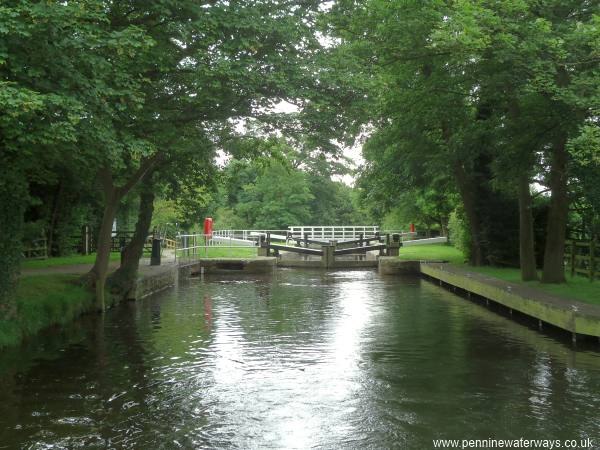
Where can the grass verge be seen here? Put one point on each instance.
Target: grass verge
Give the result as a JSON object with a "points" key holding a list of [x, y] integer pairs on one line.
{"points": [[433, 251], [43, 301], [578, 288], [64, 261]]}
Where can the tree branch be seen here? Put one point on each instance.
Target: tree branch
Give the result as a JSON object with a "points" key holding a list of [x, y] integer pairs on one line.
{"points": [[145, 166]]}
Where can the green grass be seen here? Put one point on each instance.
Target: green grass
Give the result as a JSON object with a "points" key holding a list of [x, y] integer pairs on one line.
{"points": [[42, 301], [64, 261], [433, 251], [578, 288]]}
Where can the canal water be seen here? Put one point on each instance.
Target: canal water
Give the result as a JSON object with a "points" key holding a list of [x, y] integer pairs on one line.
{"points": [[297, 359]]}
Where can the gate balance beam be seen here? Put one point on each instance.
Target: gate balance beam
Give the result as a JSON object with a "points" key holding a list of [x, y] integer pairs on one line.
{"points": [[346, 251], [366, 239], [304, 250]]}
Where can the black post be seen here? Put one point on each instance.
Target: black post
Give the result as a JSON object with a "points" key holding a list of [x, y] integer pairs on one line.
{"points": [[155, 256]]}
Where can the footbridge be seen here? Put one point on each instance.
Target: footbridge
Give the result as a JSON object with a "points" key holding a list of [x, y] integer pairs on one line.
{"points": [[301, 246]]}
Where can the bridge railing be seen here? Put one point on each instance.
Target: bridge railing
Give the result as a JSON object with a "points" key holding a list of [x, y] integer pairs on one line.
{"points": [[250, 235], [190, 246], [333, 232], [324, 233]]}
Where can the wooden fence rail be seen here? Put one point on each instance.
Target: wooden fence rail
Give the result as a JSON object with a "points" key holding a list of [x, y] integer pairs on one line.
{"points": [[36, 249], [581, 256]]}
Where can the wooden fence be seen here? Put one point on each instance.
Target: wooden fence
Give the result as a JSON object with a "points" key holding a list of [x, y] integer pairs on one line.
{"points": [[85, 244], [36, 249], [581, 256]]}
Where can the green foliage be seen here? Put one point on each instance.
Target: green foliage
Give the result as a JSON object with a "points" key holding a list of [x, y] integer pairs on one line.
{"points": [[585, 168], [458, 232], [115, 91], [227, 219], [276, 200], [283, 193], [468, 97]]}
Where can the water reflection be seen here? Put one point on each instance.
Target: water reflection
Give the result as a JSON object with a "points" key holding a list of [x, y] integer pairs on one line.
{"points": [[296, 360]]}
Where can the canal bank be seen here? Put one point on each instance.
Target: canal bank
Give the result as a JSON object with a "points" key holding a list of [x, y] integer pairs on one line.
{"points": [[53, 296], [570, 315]]}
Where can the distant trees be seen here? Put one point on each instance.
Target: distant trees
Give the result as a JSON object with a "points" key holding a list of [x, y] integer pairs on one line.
{"points": [[279, 195]]}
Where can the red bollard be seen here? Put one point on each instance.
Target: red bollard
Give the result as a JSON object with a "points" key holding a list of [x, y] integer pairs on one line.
{"points": [[208, 227]]}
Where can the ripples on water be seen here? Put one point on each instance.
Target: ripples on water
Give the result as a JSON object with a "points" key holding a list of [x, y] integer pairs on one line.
{"points": [[300, 359]]}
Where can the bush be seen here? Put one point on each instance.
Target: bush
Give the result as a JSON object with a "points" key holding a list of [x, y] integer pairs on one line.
{"points": [[458, 232]]}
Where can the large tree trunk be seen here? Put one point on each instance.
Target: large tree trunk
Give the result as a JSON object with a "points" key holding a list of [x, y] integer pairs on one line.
{"points": [[112, 197], [100, 270], [467, 193], [557, 216], [54, 217], [122, 282], [13, 195], [526, 239]]}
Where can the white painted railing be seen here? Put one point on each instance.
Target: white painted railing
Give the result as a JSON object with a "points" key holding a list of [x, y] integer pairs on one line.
{"points": [[322, 232], [251, 235], [426, 241], [189, 246], [333, 232]]}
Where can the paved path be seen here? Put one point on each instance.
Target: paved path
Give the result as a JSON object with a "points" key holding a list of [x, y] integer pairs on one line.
{"points": [[80, 269]]}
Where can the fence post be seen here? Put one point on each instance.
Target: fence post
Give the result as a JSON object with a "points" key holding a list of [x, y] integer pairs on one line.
{"points": [[393, 245], [573, 258], [263, 250], [592, 260], [85, 240], [328, 257], [155, 255]]}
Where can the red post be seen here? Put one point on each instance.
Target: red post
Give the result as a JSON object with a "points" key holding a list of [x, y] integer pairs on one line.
{"points": [[208, 226], [412, 227]]}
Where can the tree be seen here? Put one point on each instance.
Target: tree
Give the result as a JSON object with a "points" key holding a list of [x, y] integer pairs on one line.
{"points": [[57, 90], [278, 198], [209, 63], [477, 87]]}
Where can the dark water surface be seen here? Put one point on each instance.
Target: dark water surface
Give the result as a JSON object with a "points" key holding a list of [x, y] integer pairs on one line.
{"points": [[299, 359]]}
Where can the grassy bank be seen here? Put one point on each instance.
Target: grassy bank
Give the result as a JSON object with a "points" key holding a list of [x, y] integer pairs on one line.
{"points": [[64, 261], [442, 252], [578, 288], [42, 301]]}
